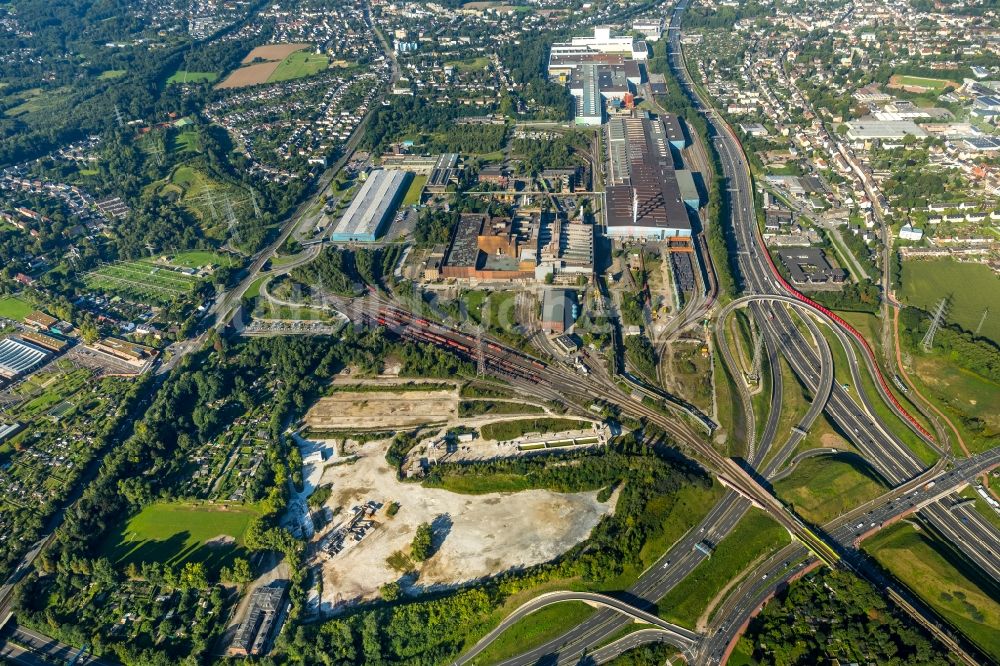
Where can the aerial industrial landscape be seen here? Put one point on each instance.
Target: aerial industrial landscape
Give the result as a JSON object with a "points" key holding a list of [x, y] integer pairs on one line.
{"points": [[556, 332]]}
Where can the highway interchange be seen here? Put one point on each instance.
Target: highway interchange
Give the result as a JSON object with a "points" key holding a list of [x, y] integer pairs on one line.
{"points": [[930, 492]]}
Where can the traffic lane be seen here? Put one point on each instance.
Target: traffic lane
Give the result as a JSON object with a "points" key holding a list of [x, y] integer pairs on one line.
{"points": [[666, 573], [894, 461], [13, 654], [838, 406]]}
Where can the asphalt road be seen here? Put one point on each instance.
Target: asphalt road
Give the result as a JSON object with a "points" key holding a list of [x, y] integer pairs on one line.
{"points": [[890, 456]]}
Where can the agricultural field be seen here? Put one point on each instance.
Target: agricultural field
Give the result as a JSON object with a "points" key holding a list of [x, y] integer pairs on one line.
{"points": [[112, 74], [34, 99], [15, 308], [142, 281], [824, 487], [923, 564], [177, 532], [184, 76], [262, 63], [971, 287], [298, 65]]}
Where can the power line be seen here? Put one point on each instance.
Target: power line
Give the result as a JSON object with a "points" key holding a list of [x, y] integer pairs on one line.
{"points": [[928, 341], [982, 321]]}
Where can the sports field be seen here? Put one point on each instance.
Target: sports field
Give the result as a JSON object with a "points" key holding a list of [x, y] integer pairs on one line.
{"points": [[904, 81], [184, 76], [971, 287], [299, 64], [177, 532], [923, 566], [15, 308], [142, 281]]}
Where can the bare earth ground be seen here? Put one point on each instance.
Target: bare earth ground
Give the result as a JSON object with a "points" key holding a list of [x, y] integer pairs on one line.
{"points": [[381, 409], [277, 52], [251, 75], [479, 535]]}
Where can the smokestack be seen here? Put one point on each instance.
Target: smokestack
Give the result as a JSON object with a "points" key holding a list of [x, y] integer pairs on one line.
{"points": [[635, 207]]}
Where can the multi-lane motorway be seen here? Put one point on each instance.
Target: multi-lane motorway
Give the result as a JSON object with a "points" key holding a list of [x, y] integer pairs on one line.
{"points": [[918, 490]]}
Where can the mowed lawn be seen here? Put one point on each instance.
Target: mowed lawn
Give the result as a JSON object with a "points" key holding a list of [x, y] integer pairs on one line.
{"points": [[14, 308], [923, 566], [298, 65], [177, 532], [824, 487], [937, 85], [536, 629], [199, 258], [971, 287], [184, 76]]}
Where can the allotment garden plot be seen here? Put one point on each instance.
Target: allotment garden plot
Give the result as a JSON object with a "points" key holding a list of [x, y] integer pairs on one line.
{"points": [[142, 281]]}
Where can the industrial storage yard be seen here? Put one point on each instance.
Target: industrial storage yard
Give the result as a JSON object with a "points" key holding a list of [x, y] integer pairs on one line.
{"points": [[381, 409], [478, 535]]}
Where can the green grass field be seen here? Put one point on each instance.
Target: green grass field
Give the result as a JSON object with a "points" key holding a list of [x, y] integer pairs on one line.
{"points": [[755, 535], [141, 280], [36, 99], [12, 307], [971, 287], [266, 310], [412, 197], [469, 64], [536, 629], [186, 142], [184, 76], [505, 430], [937, 85], [824, 487], [298, 65], [199, 258], [112, 74], [177, 532], [960, 394], [253, 291], [869, 327], [924, 566]]}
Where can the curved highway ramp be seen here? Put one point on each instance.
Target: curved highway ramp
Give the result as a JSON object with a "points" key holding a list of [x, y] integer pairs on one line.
{"points": [[671, 633]]}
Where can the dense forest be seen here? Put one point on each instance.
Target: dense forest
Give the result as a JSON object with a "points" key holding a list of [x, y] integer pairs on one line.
{"points": [[834, 615], [150, 459]]}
